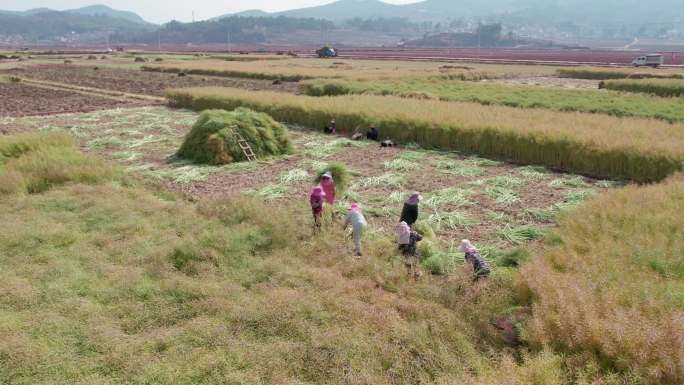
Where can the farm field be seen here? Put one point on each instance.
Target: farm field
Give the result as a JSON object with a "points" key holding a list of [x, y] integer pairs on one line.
{"points": [[488, 200], [20, 100], [585, 100], [123, 264], [301, 69], [135, 81]]}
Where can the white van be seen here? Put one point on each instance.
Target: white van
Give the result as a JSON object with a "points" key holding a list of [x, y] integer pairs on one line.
{"points": [[653, 60]]}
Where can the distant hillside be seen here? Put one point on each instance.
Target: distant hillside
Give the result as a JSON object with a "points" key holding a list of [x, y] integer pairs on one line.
{"points": [[103, 10], [596, 12], [92, 10], [64, 27]]}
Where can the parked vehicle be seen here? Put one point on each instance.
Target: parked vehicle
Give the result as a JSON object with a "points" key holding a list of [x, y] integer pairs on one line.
{"points": [[652, 60], [326, 52]]}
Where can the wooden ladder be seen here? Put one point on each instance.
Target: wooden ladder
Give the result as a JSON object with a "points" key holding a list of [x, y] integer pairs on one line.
{"points": [[244, 146]]}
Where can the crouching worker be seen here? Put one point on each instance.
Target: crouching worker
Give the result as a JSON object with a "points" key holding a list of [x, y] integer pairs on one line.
{"points": [[480, 266], [358, 223], [316, 199], [373, 133], [331, 128], [408, 246]]}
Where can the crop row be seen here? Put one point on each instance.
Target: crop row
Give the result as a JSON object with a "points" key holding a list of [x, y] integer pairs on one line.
{"points": [[597, 73], [600, 146], [592, 101], [659, 87]]}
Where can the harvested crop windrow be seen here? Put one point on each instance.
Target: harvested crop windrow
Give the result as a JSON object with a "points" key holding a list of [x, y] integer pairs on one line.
{"points": [[618, 73], [214, 138], [600, 146], [659, 87]]}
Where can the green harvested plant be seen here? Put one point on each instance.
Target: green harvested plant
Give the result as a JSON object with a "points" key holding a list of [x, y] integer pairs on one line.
{"points": [[214, 137]]}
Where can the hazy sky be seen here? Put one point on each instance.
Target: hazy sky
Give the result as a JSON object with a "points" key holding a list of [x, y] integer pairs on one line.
{"points": [[159, 11]]}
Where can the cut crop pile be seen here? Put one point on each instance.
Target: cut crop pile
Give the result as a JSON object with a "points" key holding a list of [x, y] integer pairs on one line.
{"points": [[213, 138]]}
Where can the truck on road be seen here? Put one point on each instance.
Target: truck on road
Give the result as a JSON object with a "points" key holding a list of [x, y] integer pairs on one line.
{"points": [[651, 60]]}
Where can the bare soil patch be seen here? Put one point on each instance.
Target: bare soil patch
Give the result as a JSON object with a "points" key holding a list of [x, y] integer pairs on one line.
{"points": [[24, 100], [547, 81], [138, 82]]}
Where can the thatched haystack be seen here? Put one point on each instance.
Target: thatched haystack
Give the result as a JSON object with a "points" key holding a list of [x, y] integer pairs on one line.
{"points": [[212, 139]]}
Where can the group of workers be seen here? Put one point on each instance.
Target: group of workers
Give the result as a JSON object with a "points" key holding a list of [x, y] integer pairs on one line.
{"points": [[371, 134], [407, 236]]}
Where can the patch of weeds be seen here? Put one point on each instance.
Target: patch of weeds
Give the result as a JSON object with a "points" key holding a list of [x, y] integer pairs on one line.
{"points": [[459, 168], [389, 180], [271, 191], [520, 234], [401, 165], [532, 172], [145, 141], [512, 258], [381, 212], [108, 142], [579, 196], [502, 195], [504, 181], [185, 174], [412, 155], [607, 184], [568, 181], [398, 197], [294, 175], [450, 196], [140, 167], [498, 217], [241, 166], [545, 214], [315, 165], [127, 156], [451, 221], [482, 162]]}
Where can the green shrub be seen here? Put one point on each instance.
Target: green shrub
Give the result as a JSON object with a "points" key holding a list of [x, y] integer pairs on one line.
{"points": [[340, 175], [605, 74], [423, 228], [212, 139]]}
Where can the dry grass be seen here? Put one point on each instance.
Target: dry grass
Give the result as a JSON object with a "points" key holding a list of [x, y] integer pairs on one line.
{"points": [[602, 146], [300, 69], [611, 287]]}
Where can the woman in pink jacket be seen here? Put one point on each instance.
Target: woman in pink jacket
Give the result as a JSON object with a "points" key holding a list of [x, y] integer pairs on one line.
{"points": [[317, 198], [328, 186]]}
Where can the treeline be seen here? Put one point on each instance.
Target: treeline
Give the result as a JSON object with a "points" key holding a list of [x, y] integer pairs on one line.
{"points": [[235, 29]]}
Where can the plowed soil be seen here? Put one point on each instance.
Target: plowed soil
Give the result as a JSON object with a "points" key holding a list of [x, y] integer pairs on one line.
{"points": [[24, 100], [138, 82]]}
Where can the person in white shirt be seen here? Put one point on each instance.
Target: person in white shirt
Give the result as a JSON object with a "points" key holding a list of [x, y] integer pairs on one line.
{"points": [[357, 221]]}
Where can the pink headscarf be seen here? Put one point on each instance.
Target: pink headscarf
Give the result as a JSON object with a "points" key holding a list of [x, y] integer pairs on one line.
{"points": [[466, 247], [404, 233], [355, 207], [328, 186], [414, 199]]}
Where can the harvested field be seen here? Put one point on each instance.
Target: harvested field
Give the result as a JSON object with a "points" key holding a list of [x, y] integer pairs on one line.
{"points": [[464, 196], [23, 100], [137, 82], [547, 81]]}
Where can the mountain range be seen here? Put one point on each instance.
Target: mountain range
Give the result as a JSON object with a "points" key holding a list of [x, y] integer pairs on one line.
{"points": [[593, 12], [92, 10]]}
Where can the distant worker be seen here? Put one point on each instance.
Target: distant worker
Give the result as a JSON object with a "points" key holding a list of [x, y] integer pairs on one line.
{"points": [[472, 255], [317, 198], [408, 246], [358, 223], [328, 186], [373, 133], [409, 213], [331, 128]]}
